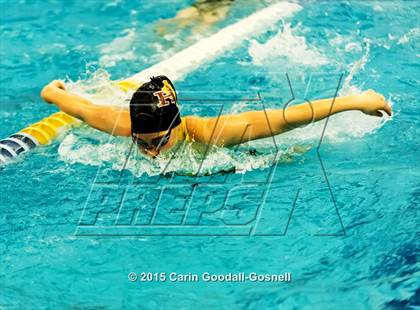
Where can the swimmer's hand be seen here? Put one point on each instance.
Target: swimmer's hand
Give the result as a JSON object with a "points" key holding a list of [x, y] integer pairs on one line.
{"points": [[56, 84], [373, 103], [59, 84]]}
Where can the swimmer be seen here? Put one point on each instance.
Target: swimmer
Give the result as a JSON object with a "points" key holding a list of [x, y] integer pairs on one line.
{"points": [[155, 125], [201, 15]]}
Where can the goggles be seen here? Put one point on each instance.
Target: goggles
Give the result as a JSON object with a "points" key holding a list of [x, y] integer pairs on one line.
{"points": [[156, 143]]}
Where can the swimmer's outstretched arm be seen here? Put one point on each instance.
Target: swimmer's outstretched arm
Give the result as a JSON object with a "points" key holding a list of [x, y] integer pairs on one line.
{"points": [[115, 121], [229, 130]]}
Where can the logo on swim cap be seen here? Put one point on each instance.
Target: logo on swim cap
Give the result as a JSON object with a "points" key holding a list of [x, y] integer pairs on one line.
{"points": [[166, 95]]}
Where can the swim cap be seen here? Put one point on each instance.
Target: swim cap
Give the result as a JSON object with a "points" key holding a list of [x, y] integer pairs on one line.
{"points": [[153, 107]]}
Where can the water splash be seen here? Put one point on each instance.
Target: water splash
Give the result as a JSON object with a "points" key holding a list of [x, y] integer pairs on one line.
{"points": [[100, 89], [121, 48], [355, 68], [97, 149], [286, 44], [411, 36], [87, 146]]}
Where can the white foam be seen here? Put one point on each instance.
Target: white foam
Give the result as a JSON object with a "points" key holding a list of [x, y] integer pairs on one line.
{"points": [[376, 7], [121, 48], [412, 35], [78, 147], [341, 127], [286, 44], [113, 3], [100, 90], [354, 68]]}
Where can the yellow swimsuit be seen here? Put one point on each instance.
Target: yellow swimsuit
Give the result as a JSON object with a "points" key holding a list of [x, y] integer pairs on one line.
{"points": [[184, 124]]}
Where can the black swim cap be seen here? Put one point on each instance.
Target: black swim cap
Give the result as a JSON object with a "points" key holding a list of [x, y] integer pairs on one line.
{"points": [[153, 107]]}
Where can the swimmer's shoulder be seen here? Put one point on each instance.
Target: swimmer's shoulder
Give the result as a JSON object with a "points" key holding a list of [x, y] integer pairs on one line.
{"points": [[204, 130], [196, 127]]}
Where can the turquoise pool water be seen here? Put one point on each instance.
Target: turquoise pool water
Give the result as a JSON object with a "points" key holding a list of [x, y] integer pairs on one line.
{"points": [[351, 245]]}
